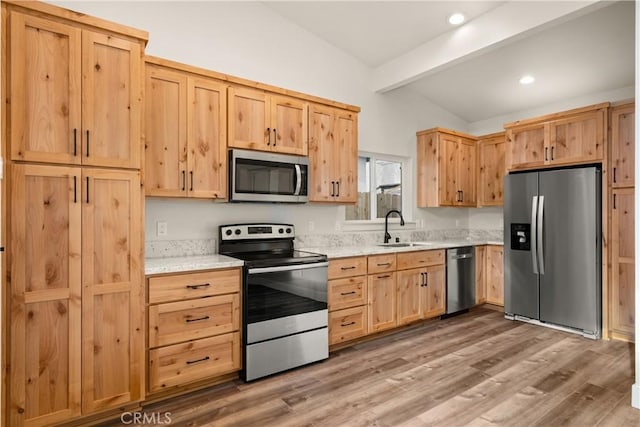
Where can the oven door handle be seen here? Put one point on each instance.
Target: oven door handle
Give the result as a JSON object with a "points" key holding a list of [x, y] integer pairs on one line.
{"points": [[296, 192], [287, 268]]}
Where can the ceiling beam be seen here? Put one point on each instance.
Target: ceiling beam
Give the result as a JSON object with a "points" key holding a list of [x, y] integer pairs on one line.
{"points": [[507, 22]]}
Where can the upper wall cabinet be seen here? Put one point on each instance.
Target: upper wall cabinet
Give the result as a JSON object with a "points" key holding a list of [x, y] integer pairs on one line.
{"points": [[447, 165], [267, 122], [622, 145], [571, 137], [492, 170], [333, 155], [185, 133], [75, 94]]}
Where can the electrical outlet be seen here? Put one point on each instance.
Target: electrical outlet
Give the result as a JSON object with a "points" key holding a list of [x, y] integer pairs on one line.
{"points": [[311, 226], [161, 228]]}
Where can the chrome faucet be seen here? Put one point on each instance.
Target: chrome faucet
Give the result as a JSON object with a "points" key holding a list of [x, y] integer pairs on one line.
{"points": [[387, 236]]}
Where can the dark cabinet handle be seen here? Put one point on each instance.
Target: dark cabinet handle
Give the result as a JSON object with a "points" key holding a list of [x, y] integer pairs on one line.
{"points": [[268, 136], [348, 324], [197, 319], [347, 293], [333, 188], [614, 201], [552, 148], [203, 285], [87, 189], [426, 279], [338, 192], [546, 149], [87, 142], [191, 362], [348, 268], [75, 189], [191, 177], [75, 141], [614, 175], [386, 276], [275, 137], [461, 195], [184, 180], [387, 264]]}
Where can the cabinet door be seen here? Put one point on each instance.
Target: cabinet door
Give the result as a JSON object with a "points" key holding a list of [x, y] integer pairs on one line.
{"points": [[112, 289], [427, 166], [249, 119], [492, 171], [623, 263], [448, 185], [410, 284], [466, 169], [481, 274], [345, 157], [495, 275], [289, 125], [433, 297], [165, 132], [622, 145], [45, 243], [45, 90], [382, 301], [526, 147], [111, 101], [321, 157], [207, 156], [577, 139]]}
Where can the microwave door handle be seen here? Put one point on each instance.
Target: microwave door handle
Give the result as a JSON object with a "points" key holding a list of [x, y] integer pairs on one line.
{"points": [[296, 192]]}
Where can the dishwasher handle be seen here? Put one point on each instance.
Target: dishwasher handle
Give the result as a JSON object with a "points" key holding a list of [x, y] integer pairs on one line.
{"points": [[463, 256]]}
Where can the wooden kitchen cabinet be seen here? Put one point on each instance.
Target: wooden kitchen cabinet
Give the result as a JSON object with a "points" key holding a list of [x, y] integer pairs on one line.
{"points": [[333, 155], [381, 295], [75, 94], [566, 138], [622, 322], [434, 300], [267, 122], [622, 145], [76, 269], [185, 128], [481, 274], [193, 327], [447, 167], [347, 299], [495, 274], [491, 169]]}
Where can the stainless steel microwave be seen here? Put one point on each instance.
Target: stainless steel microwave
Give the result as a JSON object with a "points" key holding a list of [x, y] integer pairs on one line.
{"points": [[256, 176]]}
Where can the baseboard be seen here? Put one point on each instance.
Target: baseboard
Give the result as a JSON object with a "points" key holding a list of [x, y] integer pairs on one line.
{"points": [[635, 395]]}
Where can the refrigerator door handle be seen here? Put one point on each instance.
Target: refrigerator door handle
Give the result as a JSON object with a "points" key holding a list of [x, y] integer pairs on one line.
{"points": [[534, 233], [540, 235]]}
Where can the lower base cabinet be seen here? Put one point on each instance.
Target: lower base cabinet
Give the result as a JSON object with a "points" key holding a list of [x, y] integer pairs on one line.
{"points": [[348, 324], [421, 293], [382, 301], [495, 275]]}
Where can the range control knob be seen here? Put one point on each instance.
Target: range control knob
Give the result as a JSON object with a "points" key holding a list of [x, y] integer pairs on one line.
{"points": [[288, 231], [228, 232], [237, 231], [281, 230]]}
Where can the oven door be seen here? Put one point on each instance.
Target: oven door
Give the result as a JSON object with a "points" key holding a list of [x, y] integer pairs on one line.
{"points": [[266, 177]]}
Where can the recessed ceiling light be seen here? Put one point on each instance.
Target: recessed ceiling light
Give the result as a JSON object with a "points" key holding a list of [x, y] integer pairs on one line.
{"points": [[527, 79], [456, 19]]}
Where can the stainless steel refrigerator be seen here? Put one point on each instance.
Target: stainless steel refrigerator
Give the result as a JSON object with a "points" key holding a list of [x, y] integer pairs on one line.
{"points": [[553, 249]]}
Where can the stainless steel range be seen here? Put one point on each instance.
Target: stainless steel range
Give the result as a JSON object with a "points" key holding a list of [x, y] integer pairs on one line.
{"points": [[284, 298]]}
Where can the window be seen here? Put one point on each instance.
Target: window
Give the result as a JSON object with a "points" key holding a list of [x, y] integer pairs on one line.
{"points": [[380, 186]]}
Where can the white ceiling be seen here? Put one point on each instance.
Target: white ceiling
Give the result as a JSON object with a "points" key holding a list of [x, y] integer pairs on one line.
{"points": [[585, 48]]}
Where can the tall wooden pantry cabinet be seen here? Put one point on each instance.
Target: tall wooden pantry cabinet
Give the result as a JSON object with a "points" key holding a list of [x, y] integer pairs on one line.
{"points": [[74, 293]]}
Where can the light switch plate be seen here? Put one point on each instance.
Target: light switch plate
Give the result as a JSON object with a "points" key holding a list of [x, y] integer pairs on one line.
{"points": [[161, 228]]}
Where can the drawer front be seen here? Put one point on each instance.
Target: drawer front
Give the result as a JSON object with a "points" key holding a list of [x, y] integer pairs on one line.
{"points": [[419, 259], [347, 267], [348, 324], [348, 292], [175, 322], [193, 285], [382, 263], [195, 360]]}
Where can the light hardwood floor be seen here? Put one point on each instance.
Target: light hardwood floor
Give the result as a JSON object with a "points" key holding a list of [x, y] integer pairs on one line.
{"points": [[476, 369]]}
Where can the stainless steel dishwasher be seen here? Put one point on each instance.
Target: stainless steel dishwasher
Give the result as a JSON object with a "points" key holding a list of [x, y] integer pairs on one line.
{"points": [[461, 279]]}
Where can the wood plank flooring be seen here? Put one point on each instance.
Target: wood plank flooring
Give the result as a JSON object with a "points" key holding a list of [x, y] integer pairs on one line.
{"points": [[477, 369]]}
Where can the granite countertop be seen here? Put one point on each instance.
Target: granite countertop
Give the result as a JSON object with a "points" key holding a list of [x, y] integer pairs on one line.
{"points": [[189, 263], [349, 251]]}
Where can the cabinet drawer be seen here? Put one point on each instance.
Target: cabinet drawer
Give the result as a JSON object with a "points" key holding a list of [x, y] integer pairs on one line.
{"points": [[348, 324], [193, 285], [347, 292], [195, 360], [408, 260], [381, 263], [347, 267], [175, 322]]}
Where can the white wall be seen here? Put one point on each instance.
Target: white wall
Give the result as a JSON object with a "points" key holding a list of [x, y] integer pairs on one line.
{"points": [[247, 39]]}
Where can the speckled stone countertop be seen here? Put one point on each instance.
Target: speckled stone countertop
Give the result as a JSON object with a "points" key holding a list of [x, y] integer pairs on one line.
{"points": [[349, 251], [189, 263]]}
